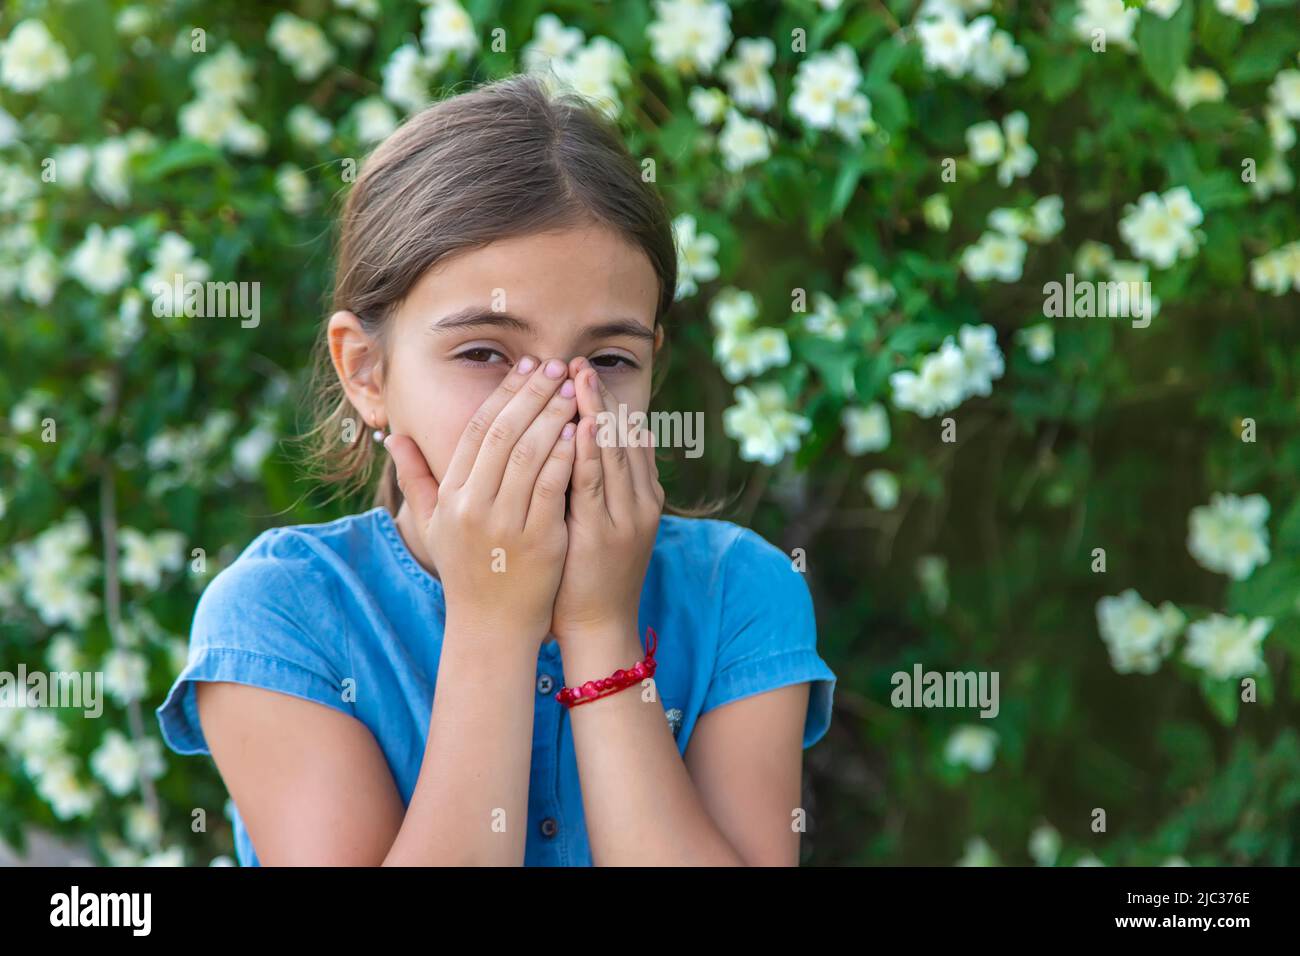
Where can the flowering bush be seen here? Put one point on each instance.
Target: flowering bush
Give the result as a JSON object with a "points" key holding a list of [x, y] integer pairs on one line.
{"points": [[990, 307]]}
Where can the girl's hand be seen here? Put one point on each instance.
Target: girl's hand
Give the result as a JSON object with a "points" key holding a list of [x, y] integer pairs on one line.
{"points": [[495, 526], [614, 509]]}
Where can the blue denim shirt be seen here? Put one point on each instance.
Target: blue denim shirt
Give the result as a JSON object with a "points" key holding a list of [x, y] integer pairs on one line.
{"points": [[305, 608]]}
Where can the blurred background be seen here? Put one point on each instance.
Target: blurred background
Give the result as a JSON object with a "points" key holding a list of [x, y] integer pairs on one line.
{"points": [[871, 201]]}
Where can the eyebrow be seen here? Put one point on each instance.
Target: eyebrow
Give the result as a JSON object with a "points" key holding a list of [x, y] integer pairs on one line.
{"points": [[476, 317]]}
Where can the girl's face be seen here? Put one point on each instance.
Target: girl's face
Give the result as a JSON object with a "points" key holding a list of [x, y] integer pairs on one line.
{"points": [[580, 292]]}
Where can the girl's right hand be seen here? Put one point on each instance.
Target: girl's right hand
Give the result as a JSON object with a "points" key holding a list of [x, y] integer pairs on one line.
{"points": [[495, 525]]}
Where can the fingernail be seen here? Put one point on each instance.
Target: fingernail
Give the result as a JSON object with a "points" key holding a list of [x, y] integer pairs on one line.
{"points": [[386, 441], [567, 431], [592, 383], [554, 368], [567, 389], [527, 364]]}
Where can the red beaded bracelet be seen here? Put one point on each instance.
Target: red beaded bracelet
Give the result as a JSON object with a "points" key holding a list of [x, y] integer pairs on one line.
{"points": [[573, 696]]}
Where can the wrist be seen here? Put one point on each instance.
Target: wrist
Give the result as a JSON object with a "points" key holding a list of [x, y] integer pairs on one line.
{"points": [[486, 631]]}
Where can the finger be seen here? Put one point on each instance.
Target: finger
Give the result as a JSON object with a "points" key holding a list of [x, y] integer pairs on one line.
{"points": [[531, 451], [476, 429], [587, 500], [547, 503], [512, 421], [418, 485], [614, 457]]}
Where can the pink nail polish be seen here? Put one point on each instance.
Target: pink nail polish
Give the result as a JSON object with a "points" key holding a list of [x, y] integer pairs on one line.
{"points": [[554, 368], [567, 431], [567, 389], [526, 365]]}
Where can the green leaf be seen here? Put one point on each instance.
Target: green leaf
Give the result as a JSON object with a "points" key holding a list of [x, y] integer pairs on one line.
{"points": [[1060, 75], [1164, 45], [176, 156]]}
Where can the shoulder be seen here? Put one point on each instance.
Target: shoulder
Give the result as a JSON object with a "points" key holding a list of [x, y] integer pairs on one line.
{"points": [[721, 549], [290, 565]]}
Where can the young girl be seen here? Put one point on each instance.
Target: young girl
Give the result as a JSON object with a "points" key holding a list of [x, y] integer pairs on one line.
{"points": [[391, 687]]}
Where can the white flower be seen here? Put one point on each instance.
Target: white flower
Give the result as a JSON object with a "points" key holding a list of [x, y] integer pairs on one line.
{"points": [[763, 423], [448, 29], [100, 262], [825, 319], [375, 119], [982, 358], [827, 96], [307, 126], [1093, 258], [1045, 844], [1163, 8], [865, 429], [689, 35], [143, 827], [1039, 342], [971, 746], [978, 853], [985, 143], [406, 77], [301, 44], [937, 212], [1201, 85], [753, 353], [145, 558], [552, 40], [882, 486], [1274, 176], [293, 188], [116, 762], [171, 857], [743, 142], [995, 256], [126, 675], [596, 71], [1227, 647], [1159, 228], [71, 164], [1046, 219], [1230, 535], [1284, 93], [868, 285], [39, 277], [937, 387], [1243, 10], [174, 255], [250, 451], [59, 787], [224, 76], [695, 256], [992, 61], [31, 58], [1115, 21], [112, 176], [218, 122], [1137, 636], [947, 43], [1020, 157], [748, 75], [733, 311], [709, 106], [1278, 270]]}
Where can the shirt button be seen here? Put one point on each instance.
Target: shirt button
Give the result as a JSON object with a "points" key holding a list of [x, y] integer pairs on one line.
{"points": [[549, 827], [545, 684]]}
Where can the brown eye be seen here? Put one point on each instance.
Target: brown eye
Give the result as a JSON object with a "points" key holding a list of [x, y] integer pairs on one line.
{"points": [[612, 361], [480, 356]]}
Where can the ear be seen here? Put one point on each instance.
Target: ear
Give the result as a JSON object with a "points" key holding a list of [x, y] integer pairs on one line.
{"points": [[358, 363], [659, 337]]}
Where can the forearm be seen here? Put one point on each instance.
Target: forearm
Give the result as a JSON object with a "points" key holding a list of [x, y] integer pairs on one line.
{"points": [[641, 806], [470, 802]]}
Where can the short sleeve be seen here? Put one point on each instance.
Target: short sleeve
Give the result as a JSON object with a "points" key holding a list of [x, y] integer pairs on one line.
{"points": [[768, 635], [262, 621]]}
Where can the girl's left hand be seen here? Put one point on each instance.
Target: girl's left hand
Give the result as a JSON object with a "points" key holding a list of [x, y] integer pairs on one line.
{"points": [[614, 508]]}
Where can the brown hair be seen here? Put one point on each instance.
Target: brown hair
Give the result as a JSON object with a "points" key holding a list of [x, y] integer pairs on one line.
{"points": [[510, 158]]}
